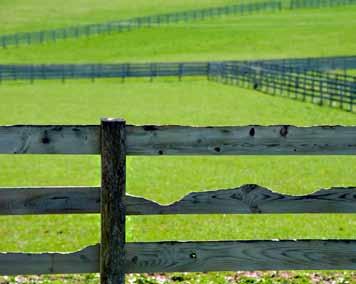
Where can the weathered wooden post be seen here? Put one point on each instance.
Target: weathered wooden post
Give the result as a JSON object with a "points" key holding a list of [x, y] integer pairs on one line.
{"points": [[113, 185]]}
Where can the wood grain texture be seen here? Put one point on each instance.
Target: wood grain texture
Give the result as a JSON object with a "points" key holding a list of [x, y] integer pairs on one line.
{"points": [[49, 200], [113, 191], [84, 261], [240, 255], [195, 257], [184, 140], [55, 139], [250, 199], [247, 199], [244, 140]]}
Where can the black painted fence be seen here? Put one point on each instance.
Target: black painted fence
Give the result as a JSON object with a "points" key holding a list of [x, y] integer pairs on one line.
{"points": [[95, 71], [316, 63], [304, 79], [53, 35], [134, 23], [323, 88], [297, 4], [156, 69]]}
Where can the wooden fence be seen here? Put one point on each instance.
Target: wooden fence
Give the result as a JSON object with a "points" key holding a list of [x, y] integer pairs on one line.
{"points": [[153, 70], [323, 88], [122, 71], [298, 4], [114, 141]]}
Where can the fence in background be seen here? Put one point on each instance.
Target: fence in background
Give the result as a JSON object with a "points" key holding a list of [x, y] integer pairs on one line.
{"points": [[298, 4], [135, 23], [323, 88], [28, 38], [342, 63], [114, 141], [303, 79], [156, 69], [93, 71]]}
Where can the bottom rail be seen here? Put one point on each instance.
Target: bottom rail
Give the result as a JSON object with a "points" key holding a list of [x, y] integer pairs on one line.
{"points": [[195, 257]]}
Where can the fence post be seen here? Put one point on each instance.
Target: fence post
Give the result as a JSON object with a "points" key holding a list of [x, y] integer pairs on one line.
{"points": [[123, 72], [63, 74], [208, 71], [3, 40], [312, 85], [321, 92], [14, 72], [113, 186], [180, 71], [41, 37], [31, 74], [93, 73], [151, 72]]}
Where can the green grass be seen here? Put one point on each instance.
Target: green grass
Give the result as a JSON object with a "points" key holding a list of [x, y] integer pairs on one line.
{"points": [[205, 278], [275, 35], [168, 179], [326, 32], [25, 15]]}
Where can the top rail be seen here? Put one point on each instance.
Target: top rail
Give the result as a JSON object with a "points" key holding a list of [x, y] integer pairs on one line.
{"points": [[183, 140]]}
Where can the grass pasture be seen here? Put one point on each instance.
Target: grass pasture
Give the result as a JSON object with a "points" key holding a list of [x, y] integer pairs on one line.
{"points": [[304, 33], [24, 16], [168, 101], [167, 179]]}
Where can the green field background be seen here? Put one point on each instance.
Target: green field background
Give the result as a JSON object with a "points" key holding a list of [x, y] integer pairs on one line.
{"points": [[302, 33]]}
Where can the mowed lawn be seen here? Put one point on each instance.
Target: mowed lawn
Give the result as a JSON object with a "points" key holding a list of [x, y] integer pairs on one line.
{"points": [[300, 33], [32, 15]]}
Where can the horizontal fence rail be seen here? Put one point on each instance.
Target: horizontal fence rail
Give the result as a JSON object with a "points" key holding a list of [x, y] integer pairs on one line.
{"points": [[28, 38], [195, 257], [114, 140], [247, 199], [184, 140]]}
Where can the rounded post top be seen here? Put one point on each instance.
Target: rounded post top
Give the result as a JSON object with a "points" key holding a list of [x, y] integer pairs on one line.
{"points": [[108, 119]]}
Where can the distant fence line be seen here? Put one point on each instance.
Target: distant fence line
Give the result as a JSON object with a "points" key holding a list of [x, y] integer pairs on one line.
{"points": [[134, 23], [155, 69], [316, 63], [323, 88], [95, 71], [28, 38], [304, 79], [297, 4]]}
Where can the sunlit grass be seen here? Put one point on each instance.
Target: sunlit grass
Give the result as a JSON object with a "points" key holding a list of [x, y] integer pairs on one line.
{"points": [[190, 102], [326, 32]]}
